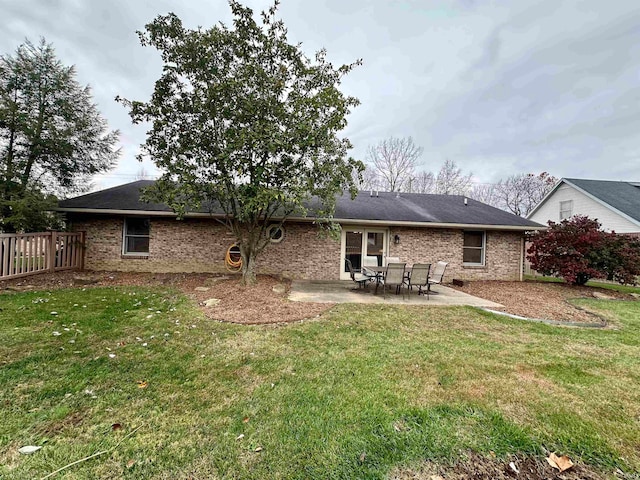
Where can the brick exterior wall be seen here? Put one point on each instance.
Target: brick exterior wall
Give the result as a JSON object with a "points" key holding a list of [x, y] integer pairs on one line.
{"points": [[200, 246], [430, 245]]}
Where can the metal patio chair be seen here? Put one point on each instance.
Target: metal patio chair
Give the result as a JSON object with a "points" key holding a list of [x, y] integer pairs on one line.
{"points": [[394, 277], [361, 279], [419, 278], [436, 277]]}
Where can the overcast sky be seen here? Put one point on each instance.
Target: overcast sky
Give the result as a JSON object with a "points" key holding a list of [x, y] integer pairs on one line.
{"points": [[499, 87]]}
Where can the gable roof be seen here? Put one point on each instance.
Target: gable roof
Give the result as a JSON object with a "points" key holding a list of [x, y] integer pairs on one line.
{"points": [[622, 198], [381, 208]]}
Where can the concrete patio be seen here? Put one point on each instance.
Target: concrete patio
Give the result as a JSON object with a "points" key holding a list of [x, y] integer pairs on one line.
{"points": [[348, 292]]}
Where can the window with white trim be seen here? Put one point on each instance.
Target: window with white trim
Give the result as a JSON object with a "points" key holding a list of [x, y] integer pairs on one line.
{"points": [[135, 237], [473, 248], [566, 209]]}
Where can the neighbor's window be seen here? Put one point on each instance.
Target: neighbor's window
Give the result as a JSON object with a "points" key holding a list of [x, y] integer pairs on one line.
{"points": [[473, 248], [566, 209], [136, 236]]}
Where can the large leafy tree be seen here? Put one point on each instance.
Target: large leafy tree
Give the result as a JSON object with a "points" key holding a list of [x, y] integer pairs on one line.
{"points": [[52, 137], [243, 122]]}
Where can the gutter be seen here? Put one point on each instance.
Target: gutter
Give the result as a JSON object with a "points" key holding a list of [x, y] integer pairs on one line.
{"points": [[345, 221]]}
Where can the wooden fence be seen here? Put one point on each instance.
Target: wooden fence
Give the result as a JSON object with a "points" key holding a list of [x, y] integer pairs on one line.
{"points": [[23, 254]]}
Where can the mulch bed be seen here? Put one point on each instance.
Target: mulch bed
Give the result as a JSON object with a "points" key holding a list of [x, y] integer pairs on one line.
{"points": [[256, 304], [542, 300], [478, 467]]}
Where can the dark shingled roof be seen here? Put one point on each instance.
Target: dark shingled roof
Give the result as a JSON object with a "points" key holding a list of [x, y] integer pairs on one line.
{"points": [[623, 196], [384, 207]]}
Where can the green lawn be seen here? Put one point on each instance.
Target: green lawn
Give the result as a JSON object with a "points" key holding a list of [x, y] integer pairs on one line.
{"points": [[591, 283], [350, 395]]}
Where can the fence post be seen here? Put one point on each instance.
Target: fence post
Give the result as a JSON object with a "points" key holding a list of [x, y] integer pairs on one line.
{"points": [[83, 239], [52, 252]]}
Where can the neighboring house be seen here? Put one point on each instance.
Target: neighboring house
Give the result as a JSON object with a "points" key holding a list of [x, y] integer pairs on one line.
{"points": [[616, 205], [479, 241]]}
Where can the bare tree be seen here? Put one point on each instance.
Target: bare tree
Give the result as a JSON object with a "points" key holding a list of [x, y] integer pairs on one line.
{"points": [[394, 161], [486, 193], [451, 180], [367, 179], [142, 174], [519, 194], [423, 182]]}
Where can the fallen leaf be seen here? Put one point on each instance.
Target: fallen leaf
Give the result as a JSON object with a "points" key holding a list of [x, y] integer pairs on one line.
{"points": [[142, 384], [245, 420], [116, 426], [513, 467], [28, 449], [362, 457], [436, 477], [561, 463], [131, 463], [258, 449], [240, 437]]}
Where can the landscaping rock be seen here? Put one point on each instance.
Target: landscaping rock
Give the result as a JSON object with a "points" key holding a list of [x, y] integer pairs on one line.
{"points": [[84, 280], [602, 296], [212, 281], [201, 289], [212, 302], [19, 288], [279, 288]]}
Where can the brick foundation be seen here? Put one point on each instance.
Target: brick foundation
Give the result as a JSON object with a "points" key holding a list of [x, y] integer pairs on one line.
{"points": [[200, 246]]}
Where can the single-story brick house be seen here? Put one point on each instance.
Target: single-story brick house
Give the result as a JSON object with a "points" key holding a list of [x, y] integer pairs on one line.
{"points": [[479, 241]]}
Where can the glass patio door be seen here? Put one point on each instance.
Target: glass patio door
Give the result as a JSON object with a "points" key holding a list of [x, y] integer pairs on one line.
{"points": [[360, 243]]}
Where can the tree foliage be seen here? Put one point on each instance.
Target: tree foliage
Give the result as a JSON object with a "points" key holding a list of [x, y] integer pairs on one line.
{"points": [[394, 161], [52, 137], [245, 123], [578, 249]]}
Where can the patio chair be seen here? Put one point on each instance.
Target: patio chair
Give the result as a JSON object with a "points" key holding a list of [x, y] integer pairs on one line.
{"points": [[420, 278], [370, 261], [358, 277], [436, 277], [394, 277]]}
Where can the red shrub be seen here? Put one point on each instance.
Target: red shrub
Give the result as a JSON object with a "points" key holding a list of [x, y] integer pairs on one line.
{"points": [[578, 249]]}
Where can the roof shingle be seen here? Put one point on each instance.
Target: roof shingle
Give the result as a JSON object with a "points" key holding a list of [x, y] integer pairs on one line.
{"points": [[383, 206], [623, 196]]}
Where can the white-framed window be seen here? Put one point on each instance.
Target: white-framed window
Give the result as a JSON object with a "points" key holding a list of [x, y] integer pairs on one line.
{"points": [[275, 233], [473, 247], [135, 236], [566, 209]]}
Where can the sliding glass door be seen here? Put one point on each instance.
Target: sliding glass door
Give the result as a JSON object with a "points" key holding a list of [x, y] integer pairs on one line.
{"points": [[362, 246]]}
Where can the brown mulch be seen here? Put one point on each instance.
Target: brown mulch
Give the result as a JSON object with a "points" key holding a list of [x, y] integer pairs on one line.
{"points": [[541, 300], [478, 467], [256, 304]]}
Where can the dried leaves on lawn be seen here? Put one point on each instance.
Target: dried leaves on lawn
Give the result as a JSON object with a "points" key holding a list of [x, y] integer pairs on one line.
{"points": [[256, 304]]}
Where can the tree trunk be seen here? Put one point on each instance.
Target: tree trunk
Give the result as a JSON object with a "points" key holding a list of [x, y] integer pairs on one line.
{"points": [[248, 266]]}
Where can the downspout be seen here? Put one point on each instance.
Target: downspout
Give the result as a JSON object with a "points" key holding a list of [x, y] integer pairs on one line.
{"points": [[522, 258]]}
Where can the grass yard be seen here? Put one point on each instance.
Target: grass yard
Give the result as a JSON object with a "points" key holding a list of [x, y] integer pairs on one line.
{"points": [[592, 283], [358, 393]]}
